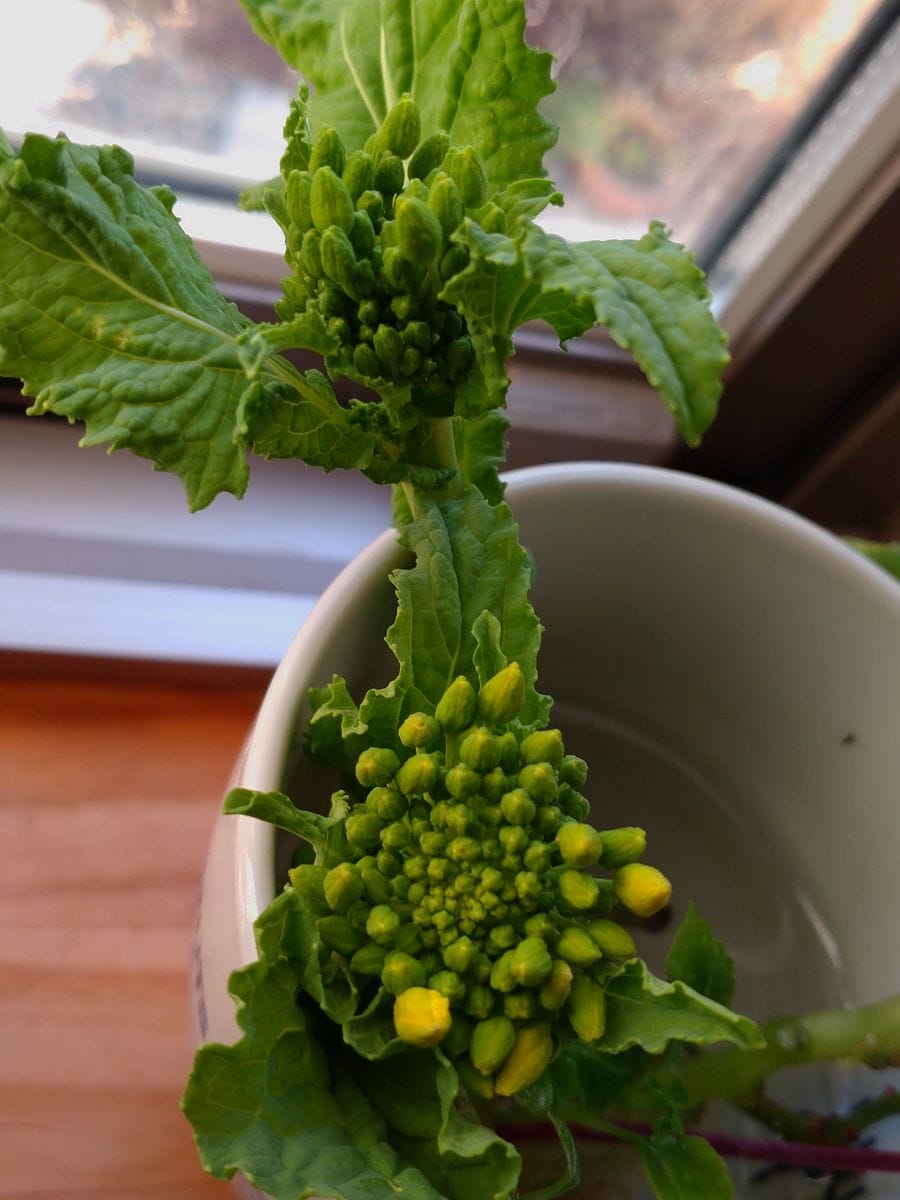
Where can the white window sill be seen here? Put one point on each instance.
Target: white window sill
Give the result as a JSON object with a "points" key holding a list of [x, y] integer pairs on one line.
{"points": [[99, 555]]}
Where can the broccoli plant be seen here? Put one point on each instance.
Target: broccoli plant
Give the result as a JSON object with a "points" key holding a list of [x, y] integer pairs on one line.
{"points": [[448, 952]]}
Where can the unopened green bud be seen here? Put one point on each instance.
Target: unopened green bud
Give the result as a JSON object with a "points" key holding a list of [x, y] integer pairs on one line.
{"points": [[382, 925], [513, 838], [399, 887], [526, 1061], [454, 260], [573, 804], [376, 767], [357, 173], [429, 155], [542, 926], [544, 745], [539, 781], [311, 255], [547, 819], [521, 1005], [479, 1001], [459, 357], [491, 1042], [501, 697], [576, 890], [449, 984], [501, 937], [622, 846], [389, 175], [445, 202], [388, 863], [418, 334], [465, 168], [556, 987], [611, 939], [492, 218], [401, 129], [328, 151], [372, 204], [368, 960], [422, 1016], [308, 880], [415, 867], [456, 707], [493, 784], [401, 971], [537, 857], [367, 363], [410, 361], [395, 835], [579, 845], [419, 233], [330, 202], [388, 345], [502, 978], [586, 1008], [464, 849], [433, 843], [337, 932], [297, 192], [419, 730], [460, 955], [362, 235], [641, 889], [577, 947], [573, 771], [363, 830], [387, 802], [518, 808], [462, 782], [479, 749], [343, 886], [528, 888], [456, 1043], [418, 774], [472, 1080], [531, 962]]}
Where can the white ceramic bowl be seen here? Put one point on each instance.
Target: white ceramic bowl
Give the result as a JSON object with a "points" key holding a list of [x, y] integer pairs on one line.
{"points": [[732, 674]]}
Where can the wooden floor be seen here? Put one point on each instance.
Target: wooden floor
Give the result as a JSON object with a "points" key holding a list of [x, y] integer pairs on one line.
{"points": [[110, 779]]}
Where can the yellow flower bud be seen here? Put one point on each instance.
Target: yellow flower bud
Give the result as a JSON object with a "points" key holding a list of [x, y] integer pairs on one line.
{"points": [[641, 889], [502, 696], [556, 987], [527, 1060], [612, 939], [579, 844], [586, 1008], [421, 1016]]}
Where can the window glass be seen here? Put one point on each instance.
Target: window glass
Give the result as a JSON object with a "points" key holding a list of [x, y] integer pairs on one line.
{"points": [[669, 108]]}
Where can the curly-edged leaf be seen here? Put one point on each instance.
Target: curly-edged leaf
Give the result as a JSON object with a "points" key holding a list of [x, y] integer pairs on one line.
{"points": [[464, 62], [481, 451], [300, 1114], [109, 317], [644, 1011], [699, 959], [309, 423], [416, 1094], [684, 1168], [279, 810], [649, 294], [468, 561]]}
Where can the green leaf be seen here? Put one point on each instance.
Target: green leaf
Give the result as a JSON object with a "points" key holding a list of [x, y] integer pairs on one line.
{"points": [[468, 561], [644, 1011], [481, 451], [684, 1168], [649, 294], [301, 1115], [699, 959], [109, 317], [464, 62], [883, 554], [312, 426], [324, 833]]}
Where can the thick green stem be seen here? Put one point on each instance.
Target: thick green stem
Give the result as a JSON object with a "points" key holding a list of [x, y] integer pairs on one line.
{"points": [[869, 1035], [435, 446]]}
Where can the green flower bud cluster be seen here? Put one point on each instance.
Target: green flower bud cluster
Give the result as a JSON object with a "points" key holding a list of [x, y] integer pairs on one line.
{"points": [[471, 889], [368, 243]]}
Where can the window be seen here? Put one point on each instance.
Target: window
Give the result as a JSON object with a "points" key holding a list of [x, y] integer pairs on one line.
{"points": [[764, 132]]}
